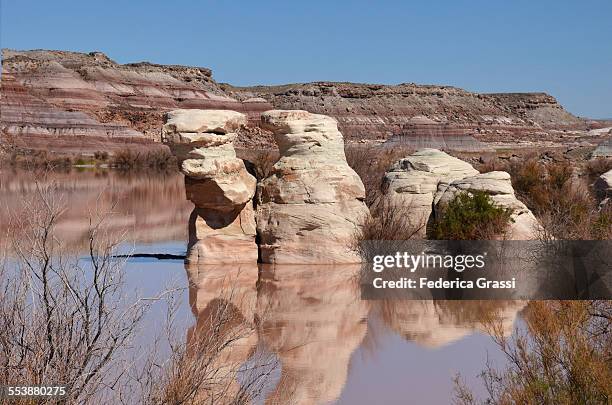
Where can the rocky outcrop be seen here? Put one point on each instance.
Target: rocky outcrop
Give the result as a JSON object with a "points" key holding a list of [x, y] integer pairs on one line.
{"points": [[604, 149], [86, 101], [71, 96], [540, 108], [375, 111], [310, 206], [498, 186], [429, 179], [222, 225], [416, 181]]}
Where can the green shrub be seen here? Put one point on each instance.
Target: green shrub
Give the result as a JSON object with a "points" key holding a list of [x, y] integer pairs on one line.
{"points": [[471, 216]]}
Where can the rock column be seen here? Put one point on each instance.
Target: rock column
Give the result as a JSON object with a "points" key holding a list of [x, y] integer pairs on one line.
{"points": [[310, 207], [222, 225]]}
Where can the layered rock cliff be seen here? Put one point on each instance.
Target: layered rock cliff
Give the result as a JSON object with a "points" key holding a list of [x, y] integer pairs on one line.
{"points": [[81, 102]]}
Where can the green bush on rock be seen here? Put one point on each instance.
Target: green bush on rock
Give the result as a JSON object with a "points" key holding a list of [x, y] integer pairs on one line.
{"points": [[471, 216]]}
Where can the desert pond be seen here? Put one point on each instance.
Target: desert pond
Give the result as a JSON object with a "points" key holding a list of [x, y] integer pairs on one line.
{"points": [[331, 346]]}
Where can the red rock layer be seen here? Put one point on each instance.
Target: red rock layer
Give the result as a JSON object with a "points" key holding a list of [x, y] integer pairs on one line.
{"points": [[68, 95]]}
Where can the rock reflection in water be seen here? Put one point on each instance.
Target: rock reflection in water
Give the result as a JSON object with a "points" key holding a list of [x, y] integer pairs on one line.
{"points": [[223, 301], [145, 207], [434, 324], [313, 319]]}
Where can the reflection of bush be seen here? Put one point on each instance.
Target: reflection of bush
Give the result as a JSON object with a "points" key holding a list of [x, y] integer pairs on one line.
{"points": [[471, 216]]}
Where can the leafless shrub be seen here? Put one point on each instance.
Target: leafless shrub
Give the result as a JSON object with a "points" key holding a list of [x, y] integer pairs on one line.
{"points": [[371, 164], [596, 167], [160, 159], [101, 155], [563, 356], [62, 322], [69, 321], [389, 219], [563, 202], [262, 161], [206, 368]]}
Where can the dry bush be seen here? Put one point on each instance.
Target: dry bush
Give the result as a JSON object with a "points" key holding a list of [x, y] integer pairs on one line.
{"points": [[69, 321], [101, 155], [261, 161], [389, 220], [564, 203], [39, 160], [371, 164], [563, 356], [491, 165], [160, 159], [62, 321], [596, 167], [202, 370]]}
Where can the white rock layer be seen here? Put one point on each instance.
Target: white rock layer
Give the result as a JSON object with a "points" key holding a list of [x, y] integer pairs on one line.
{"points": [[310, 207], [222, 226]]}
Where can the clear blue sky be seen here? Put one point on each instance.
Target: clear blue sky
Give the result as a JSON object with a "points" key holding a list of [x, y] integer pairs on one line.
{"points": [[561, 47]]}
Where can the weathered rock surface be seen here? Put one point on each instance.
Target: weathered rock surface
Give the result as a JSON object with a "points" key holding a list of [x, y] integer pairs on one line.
{"points": [[71, 96], [88, 102], [222, 226], [375, 111], [498, 186], [310, 206], [416, 180]]}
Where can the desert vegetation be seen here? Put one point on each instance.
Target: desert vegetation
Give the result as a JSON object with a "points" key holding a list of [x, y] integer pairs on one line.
{"points": [[69, 320], [471, 216], [371, 164], [564, 202], [128, 159], [561, 356]]}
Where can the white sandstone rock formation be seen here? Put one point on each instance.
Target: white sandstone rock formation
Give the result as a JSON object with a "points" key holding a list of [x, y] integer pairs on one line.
{"points": [[416, 180], [498, 186], [310, 207], [222, 226]]}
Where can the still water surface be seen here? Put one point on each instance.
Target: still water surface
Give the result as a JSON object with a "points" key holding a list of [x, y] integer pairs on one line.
{"points": [[332, 346]]}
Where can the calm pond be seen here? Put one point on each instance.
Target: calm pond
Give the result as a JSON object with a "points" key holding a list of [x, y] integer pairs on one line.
{"points": [[332, 346]]}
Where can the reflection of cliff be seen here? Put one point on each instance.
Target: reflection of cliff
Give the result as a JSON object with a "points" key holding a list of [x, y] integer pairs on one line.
{"points": [[314, 320], [436, 323], [148, 208]]}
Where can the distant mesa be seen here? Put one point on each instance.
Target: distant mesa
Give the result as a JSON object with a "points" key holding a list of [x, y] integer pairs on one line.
{"points": [[79, 103]]}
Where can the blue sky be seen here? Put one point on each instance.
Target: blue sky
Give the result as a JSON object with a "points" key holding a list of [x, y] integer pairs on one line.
{"points": [[560, 47]]}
